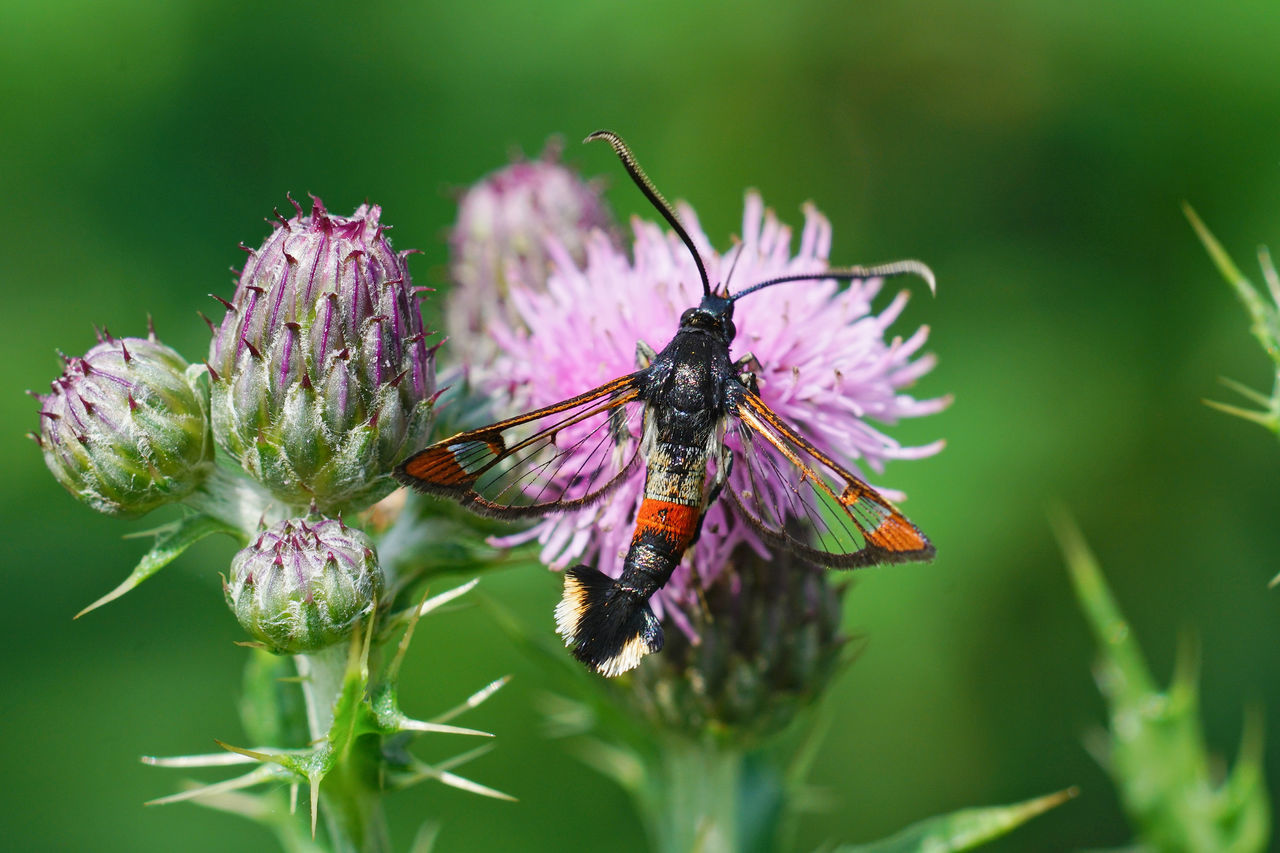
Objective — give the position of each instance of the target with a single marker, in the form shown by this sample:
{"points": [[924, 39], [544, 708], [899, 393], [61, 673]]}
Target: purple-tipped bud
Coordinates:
{"points": [[504, 223], [304, 584], [323, 377], [124, 430]]}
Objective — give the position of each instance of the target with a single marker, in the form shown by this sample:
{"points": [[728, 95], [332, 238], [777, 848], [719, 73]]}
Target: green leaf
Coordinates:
{"points": [[1155, 751], [962, 830], [171, 541], [271, 705]]}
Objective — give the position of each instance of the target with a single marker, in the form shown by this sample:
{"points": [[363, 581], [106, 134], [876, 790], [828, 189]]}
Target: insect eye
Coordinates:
{"points": [[730, 330], [687, 317]]}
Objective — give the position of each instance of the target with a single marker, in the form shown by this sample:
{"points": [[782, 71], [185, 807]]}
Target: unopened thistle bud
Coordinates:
{"points": [[123, 429], [770, 648], [322, 378], [304, 584], [504, 223]]}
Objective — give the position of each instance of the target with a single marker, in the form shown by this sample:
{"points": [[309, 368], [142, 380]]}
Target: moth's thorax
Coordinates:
{"points": [[687, 378]]}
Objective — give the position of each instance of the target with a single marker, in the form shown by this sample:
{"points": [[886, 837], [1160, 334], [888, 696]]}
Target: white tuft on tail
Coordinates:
{"points": [[611, 629]]}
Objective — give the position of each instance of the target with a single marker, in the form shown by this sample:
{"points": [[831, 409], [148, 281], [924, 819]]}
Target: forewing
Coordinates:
{"points": [[797, 496], [555, 459]]}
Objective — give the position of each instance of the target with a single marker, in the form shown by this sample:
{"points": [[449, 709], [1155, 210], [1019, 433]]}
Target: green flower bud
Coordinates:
{"points": [[505, 222], [322, 379], [304, 584], [123, 430], [770, 648]]}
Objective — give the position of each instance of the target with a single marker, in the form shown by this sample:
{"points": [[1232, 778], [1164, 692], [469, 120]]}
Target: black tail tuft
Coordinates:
{"points": [[610, 629]]}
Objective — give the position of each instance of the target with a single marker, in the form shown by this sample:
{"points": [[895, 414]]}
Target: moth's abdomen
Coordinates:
{"points": [[672, 524], [609, 622]]}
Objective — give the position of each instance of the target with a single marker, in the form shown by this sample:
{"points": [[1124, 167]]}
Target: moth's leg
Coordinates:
{"points": [[748, 368], [724, 466], [645, 355]]}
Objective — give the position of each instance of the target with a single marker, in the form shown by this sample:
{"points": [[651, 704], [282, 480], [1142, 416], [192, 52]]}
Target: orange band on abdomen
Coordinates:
{"points": [[672, 521]]}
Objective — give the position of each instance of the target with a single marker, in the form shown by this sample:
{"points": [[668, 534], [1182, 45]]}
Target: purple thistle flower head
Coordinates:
{"points": [[322, 378], [304, 583], [504, 222], [827, 367], [123, 429]]}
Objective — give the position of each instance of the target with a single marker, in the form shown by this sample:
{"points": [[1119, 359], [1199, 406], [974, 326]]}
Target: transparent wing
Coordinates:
{"points": [[559, 458], [797, 496]]}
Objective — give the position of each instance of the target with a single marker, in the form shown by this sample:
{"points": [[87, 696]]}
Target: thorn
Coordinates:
{"points": [[1266, 419], [151, 327], [315, 805], [207, 321], [280, 218], [213, 374], [395, 382], [253, 351], [1246, 391], [124, 351], [295, 204], [225, 303]]}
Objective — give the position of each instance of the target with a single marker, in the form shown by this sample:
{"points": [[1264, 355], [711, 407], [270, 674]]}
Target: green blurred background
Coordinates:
{"points": [[1035, 153]]}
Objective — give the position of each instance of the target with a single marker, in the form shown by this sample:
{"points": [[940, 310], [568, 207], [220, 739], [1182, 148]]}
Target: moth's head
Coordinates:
{"points": [[713, 315]]}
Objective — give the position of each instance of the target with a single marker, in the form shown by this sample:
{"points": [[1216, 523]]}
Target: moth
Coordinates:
{"points": [[671, 416]]}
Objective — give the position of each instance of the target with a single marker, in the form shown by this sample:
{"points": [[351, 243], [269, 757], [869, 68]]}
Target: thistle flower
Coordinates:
{"points": [[826, 367], [504, 222], [123, 430], [322, 379], [303, 584]]}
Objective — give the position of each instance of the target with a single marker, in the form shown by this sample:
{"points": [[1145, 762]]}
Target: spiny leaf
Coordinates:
{"points": [[349, 709], [962, 830], [171, 541], [1156, 752]]}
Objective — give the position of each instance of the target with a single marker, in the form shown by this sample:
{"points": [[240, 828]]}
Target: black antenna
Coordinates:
{"points": [[651, 192], [850, 273]]}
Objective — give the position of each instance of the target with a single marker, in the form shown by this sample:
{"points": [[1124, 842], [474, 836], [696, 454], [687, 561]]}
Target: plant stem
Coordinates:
{"points": [[228, 495], [351, 801], [696, 799]]}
